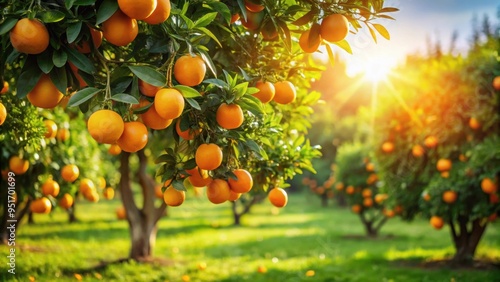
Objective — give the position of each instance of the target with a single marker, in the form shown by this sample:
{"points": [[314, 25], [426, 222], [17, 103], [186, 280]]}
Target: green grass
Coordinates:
{"points": [[304, 236]]}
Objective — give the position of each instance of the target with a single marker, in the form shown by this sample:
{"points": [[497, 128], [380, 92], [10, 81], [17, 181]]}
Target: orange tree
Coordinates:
{"points": [[227, 92], [444, 162], [356, 178]]}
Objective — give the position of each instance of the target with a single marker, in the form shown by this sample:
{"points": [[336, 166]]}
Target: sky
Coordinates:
{"points": [[416, 21]]}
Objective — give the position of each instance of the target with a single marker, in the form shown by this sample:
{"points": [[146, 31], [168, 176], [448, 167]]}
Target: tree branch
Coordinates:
{"points": [[125, 186]]}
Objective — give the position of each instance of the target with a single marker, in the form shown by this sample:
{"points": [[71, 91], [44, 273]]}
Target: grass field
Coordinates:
{"points": [[304, 236]]}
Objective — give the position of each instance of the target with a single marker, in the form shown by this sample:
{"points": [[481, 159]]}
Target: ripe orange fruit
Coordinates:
{"points": [[92, 196], [134, 137], [218, 191], [45, 94], [269, 31], [233, 196], [431, 141], [108, 193], [18, 165], [334, 28], [372, 178], [309, 45], [366, 193], [474, 123], [5, 87], [70, 172], [148, 89], [254, 20], [339, 186], [488, 186], [197, 178], [63, 134], [169, 103], [426, 196], [121, 213], [449, 196], [120, 29], [29, 36], [492, 217], [3, 113], [158, 191], [234, 18], [105, 126], [50, 187], [380, 198], [151, 118], [417, 151], [101, 182], [84, 46], [114, 150], [87, 186], [496, 83], [244, 182], [229, 116], [266, 91], [398, 209], [138, 10], [389, 213], [350, 190], [278, 197], [370, 167], [494, 198], [208, 156], [437, 222], [356, 208], [42, 205], [174, 197], [261, 269], [51, 127], [66, 201], [253, 7], [160, 14], [388, 147], [285, 92], [189, 70], [188, 134], [443, 165], [367, 202]]}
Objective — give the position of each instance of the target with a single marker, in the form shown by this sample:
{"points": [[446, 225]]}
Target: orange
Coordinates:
{"points": [[51, 127], [138, 10], [108, 193], [431, 142], [188, 134], [334, 28], [278, 197], [372, 178], [474, 123], [285, 92], [208, 156], [462, 158], [339, 186], [84, 46], [367, 202], [233, 196], [356, 208], [350, 190], [101, 182], [121, 213], [218, 191], [266, 91], [148, 89], [254, 20], [92, 196], [161, 12], [189, 70], [437, 222], [488, 186], [261, 269], [134, 137], [66, 201], [229, 116], [426, 196], [50, 187], [309, 45], [243, 183], [389, 213], [234, 18], [114, 150], [445, 174], [119, 29], [63, 134], [380, 198], [449, 196], [18, 165], [158, 191], [252, 6], [496, 83], [417, 151], [151, 118], [443, 165], [366, 193], [370, 167], [198, 178], [45, 94], [269, 31], [105, 126], [398, 209], [492, 217], [81, 82], [494, 199], [70, 172], [174, 197], [3, 113], [42, 205], [388, 147], [5, 88], [29, 36], [169, 103], [86, 187]]}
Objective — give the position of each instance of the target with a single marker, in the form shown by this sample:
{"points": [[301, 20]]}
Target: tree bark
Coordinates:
{"points": [[324, 200], [368, 224], [246, 209], [467, 240]]}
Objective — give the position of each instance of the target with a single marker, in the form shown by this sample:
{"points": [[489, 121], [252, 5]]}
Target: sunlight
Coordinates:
{"points": [[374, 69]]}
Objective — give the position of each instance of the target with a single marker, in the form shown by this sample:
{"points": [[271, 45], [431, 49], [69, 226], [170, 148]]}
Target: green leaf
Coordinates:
{"points": [[142, 110], [44, 61], [59, 58], [217, 82], [124, 98], [83, 96], [69, 3], [51, 16], [73, 31], [27, 81], [344, 45], [85, 2], [193, 103], [382, 30], [388, 10], [331, 56], [305, 19], [209, 34], [209, 62], [165, 158], [106, 10], [187, 91], [59, 78], [222, 9], [188, 21], [372, 32], [179, 185], [7, 25], [80, 61], [205, 20], [149, 75]]}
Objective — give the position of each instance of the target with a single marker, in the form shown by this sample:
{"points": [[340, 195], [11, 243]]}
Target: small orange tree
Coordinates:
{"points": [[188, 69], [445, 160]]}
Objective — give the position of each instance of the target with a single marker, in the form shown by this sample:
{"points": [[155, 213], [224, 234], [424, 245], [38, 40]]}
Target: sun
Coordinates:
{"points": [[375, 69]]}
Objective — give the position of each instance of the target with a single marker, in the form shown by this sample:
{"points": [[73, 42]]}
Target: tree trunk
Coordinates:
{"points": [[246, 208], [31, 220], [324, 200], [467, 240], [142, 222], [371, 231]]}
